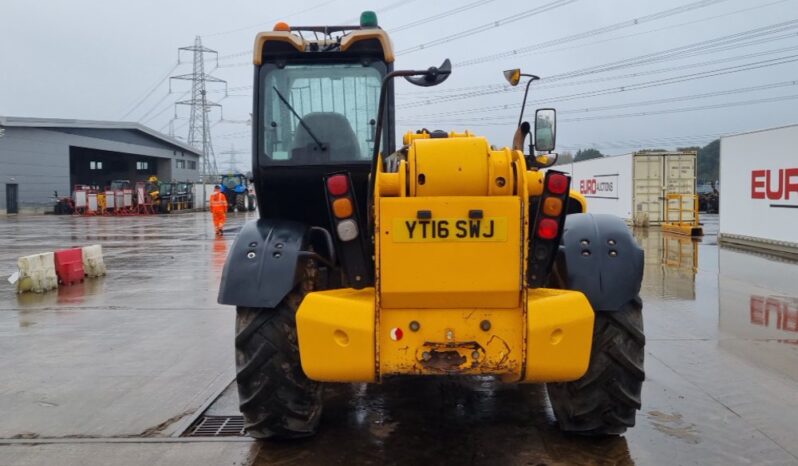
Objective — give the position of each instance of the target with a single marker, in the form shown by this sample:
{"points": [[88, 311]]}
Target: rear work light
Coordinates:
{"points": [[557, 183], [347, 230], [338, 185]]}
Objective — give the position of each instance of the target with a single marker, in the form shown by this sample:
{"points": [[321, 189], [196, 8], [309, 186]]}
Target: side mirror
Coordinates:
{"points": [[545, 129], [433, 76], [513, 76]]}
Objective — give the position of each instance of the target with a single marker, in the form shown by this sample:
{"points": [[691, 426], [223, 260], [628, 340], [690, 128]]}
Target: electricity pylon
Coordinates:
{"points": [[199, 131]]}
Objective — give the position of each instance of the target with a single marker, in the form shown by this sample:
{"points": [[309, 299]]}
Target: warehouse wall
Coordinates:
{"points": [[37, 159], [181, 171]]}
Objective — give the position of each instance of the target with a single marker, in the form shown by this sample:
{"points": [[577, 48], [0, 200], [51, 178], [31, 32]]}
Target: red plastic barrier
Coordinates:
{"points": [[69, 266]]}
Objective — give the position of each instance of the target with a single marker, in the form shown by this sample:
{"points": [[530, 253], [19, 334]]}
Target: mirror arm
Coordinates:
{"points": [[444, 69], [378, 130], [375, 156], [532, 78]]}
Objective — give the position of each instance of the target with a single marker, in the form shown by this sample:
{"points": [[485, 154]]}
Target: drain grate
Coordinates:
{"points": [[217, 426]]}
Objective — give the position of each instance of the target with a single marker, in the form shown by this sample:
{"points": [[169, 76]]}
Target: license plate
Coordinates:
{"points": [[411, 230]]}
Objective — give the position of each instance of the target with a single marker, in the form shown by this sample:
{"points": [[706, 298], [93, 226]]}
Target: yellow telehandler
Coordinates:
{"points": [[443, 256]]}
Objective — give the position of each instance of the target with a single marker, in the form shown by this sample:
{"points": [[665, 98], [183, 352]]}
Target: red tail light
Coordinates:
{"points": [[338, 185], [557, 183], [548, 228]]}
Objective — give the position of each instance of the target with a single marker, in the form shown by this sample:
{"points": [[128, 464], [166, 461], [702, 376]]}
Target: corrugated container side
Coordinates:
{"points": [[659, 174]]}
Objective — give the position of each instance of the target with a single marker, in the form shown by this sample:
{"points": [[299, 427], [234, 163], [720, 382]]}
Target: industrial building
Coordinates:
{"points": [[42, 156]]}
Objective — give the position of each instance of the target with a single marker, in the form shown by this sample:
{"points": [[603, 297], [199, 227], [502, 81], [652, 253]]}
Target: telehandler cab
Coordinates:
{"points": [[442, 257]]}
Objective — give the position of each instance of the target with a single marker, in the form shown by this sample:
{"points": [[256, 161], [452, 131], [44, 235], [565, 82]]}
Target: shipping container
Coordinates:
{"points": [[759, 190], [634, 186]]}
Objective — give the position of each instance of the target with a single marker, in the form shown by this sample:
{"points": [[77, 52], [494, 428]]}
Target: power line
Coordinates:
{"points": [[271, 22], [144, 118], [151, 91], [684, 109], [510, 118], [657, 112], [676, 141], [232, 162], [593, 32], [697, 48], [444, 14], [658, 71], [493, 24], [442, 40], [594, 42]]}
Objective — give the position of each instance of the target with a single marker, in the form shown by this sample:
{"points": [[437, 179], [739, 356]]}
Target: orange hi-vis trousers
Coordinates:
{"points": [[218, 210]]}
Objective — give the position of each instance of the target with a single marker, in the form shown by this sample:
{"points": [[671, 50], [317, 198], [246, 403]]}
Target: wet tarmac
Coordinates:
{"points": [[113, 371]]}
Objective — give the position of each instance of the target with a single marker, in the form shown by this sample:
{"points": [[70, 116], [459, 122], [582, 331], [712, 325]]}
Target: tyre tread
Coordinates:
{"points": [[277, 399], [605, 400]]}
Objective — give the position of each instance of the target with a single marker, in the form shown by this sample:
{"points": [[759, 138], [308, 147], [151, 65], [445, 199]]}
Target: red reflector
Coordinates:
{"points": [[396, 334], [338, 185], [557, 183], [548, 228]]}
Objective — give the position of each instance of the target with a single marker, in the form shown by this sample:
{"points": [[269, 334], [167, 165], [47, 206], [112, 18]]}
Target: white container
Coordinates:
{"points": [[759, 187], [93, 264], [79, 197], [92, 202], [633, 186], [199, 194], [119, 199], [109, 200], [37, 273]]}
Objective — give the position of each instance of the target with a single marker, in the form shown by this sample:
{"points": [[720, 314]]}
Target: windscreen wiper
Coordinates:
{"points": [[301, 121]]}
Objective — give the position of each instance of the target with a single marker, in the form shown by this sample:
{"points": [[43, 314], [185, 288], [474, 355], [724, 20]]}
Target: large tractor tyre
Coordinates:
{"points": [[251, 205], [241, 203], [276, 397], [604, 401]]}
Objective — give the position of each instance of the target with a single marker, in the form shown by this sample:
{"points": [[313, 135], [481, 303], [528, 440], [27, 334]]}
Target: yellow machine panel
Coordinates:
{"points": [[335, 330], [559, 335], [341, 338], [451, 259], [456, 166], [452, 341]]}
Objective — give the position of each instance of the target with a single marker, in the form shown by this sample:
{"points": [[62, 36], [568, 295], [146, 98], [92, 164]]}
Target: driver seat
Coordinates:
{"points": [[334, 131]]}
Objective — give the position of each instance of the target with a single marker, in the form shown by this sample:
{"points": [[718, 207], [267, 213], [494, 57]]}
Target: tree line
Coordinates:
{"points": [[707, 163]]}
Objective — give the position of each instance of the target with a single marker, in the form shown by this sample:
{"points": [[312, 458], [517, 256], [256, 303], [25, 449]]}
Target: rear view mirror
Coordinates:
{"points": [[545, 129], [513, 76], [433, 76]]}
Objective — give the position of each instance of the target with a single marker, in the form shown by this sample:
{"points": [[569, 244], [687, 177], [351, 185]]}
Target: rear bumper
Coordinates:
{"points": [[343, 339]]}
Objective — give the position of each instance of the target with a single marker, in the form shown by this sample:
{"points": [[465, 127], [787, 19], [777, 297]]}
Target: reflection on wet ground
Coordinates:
{"points": [[441, 421]]}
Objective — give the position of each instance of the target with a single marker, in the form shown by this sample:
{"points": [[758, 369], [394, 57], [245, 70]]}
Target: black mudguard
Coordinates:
{"points": [[261, 268], [599, 257]]}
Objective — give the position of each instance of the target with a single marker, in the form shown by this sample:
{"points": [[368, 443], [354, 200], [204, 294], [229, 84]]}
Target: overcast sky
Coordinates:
{"points": [[92, 59]]}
